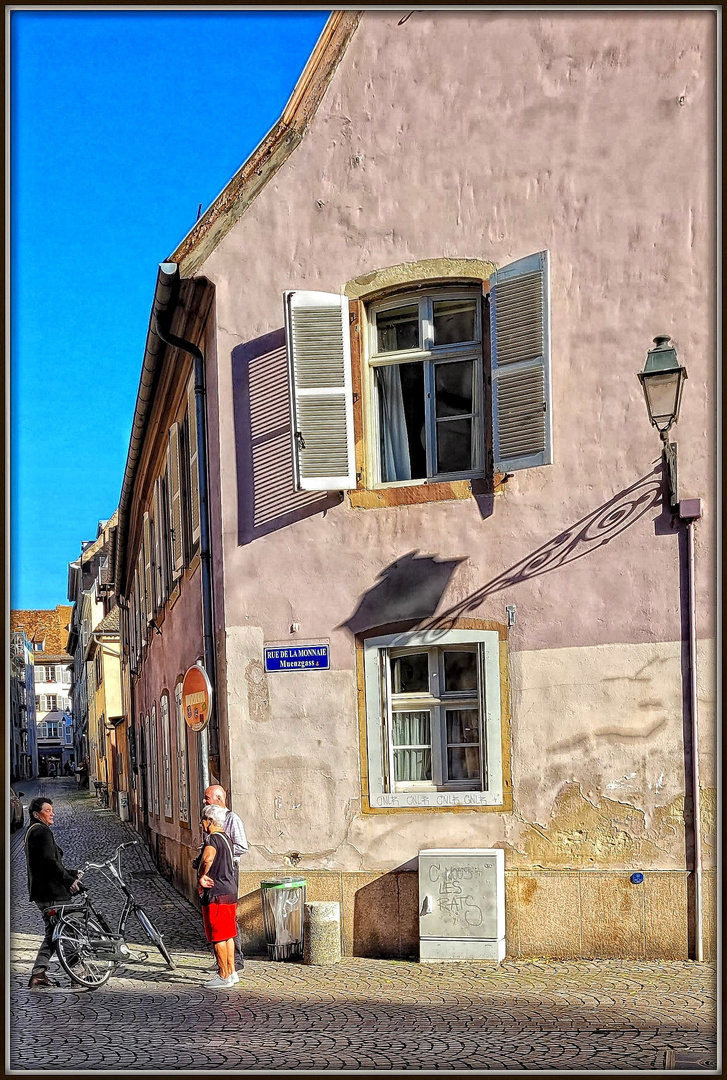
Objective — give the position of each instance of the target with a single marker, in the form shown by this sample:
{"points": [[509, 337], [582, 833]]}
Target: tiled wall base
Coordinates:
{"points": [[559, 914]]}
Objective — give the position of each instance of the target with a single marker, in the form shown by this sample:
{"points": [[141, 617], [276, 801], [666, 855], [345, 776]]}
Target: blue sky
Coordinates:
{"points": [[122, 123]]}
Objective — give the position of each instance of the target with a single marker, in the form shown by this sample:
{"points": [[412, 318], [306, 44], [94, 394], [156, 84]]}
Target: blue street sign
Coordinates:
{"points": [[297, 657]]}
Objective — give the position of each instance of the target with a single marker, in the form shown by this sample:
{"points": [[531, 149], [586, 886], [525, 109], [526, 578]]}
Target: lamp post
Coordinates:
{"points": [[662, 381]]}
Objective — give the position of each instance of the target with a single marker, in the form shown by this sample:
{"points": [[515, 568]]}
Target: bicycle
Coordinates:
{"points": [[88, 949]]}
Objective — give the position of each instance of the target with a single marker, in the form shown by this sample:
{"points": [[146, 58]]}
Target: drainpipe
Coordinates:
{"points": [[170, 271], [690, 510]]}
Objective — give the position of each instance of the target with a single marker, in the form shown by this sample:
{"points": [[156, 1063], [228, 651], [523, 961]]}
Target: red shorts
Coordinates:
{"points": [[220, 923]]}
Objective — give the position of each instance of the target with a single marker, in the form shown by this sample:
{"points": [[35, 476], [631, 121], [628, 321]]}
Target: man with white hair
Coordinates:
{"points": [[215, 795]]}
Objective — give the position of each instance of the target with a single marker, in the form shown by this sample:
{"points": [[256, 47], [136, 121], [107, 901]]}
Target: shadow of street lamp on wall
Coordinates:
{"points": [[662, 381]]}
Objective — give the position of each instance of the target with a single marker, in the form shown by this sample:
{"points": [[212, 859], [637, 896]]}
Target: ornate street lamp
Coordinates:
{"points": [[663, 381]]}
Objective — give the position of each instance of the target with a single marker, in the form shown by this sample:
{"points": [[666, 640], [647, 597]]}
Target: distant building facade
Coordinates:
{"points": [[99, 733], [47, 634], [23, 741]]}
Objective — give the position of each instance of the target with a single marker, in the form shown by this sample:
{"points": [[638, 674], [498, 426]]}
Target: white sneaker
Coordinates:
{"points": [[218, 983], [235, 977]]}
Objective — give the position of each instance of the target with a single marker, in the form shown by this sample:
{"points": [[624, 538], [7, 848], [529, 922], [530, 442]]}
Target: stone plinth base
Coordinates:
{"points": [[321, 932]]}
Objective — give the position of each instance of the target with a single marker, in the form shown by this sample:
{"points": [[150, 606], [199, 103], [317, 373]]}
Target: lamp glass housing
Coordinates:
{"points": [[663, 397], [663, 380]]}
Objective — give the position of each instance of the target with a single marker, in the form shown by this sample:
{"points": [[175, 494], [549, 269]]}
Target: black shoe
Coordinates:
{"points": [[40, 979]]}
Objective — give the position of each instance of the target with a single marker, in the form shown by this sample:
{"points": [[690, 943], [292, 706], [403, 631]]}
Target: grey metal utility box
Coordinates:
{"points": [[461, 904]]}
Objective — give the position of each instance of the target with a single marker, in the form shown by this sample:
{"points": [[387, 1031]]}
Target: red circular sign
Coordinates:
{"points": [[196, 697]]}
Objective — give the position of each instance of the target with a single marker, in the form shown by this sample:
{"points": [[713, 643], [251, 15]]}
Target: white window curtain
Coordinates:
{"points": [[411, 736], [395, 457], [149, 762], [154, 762], [166, 755], [182, 762]]}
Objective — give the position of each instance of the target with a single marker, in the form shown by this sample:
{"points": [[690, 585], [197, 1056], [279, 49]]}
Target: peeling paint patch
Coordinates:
{"points": [[258, 696], [623, 782], [606, 834]]}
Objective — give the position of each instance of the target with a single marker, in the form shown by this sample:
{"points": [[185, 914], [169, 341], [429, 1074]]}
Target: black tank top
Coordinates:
{"points": [[224, 890]]}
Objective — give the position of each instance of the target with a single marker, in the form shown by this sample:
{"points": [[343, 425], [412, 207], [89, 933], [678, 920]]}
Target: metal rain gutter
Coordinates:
{"points": [[163, 320], [164, 295]]}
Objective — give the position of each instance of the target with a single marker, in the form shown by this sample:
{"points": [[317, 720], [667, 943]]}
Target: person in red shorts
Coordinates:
{"points": [[217, 885]]}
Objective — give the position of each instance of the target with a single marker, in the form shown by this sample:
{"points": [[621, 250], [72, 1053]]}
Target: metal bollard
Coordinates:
{"points": [[321, 932]]}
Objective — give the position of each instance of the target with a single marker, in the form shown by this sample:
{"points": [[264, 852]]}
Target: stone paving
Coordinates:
{"points": [[388, 1015]]}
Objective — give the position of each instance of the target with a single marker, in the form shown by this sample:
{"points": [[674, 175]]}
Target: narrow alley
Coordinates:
{"points": [[359, 1014]]}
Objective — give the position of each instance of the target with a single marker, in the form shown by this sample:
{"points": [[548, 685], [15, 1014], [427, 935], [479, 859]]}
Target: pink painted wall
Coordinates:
{"points": [[494, 135], [483, 135], [167, 657]]}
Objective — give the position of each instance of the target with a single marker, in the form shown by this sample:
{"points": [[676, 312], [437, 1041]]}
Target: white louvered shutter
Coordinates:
{"points": [[193, 463], [160, 538], [142, 597], [521, 394], [137, 636], [131, 628], [319, 354], [148, 570], [175, 502], [137, 618]]}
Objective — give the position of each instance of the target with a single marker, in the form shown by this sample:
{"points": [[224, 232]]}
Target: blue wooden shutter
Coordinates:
{"points": [[319, 356], [521, 392]]}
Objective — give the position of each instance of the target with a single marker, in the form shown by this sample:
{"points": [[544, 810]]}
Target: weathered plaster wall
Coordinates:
{"points": [[488, 135], [609, 720]]}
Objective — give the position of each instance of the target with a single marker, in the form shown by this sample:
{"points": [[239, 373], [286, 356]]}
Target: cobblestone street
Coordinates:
{"points": [[359, 1014]]}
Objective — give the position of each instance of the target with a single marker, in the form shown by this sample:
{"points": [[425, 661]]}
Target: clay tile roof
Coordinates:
{"points": [[48, 626], [109, 624]]}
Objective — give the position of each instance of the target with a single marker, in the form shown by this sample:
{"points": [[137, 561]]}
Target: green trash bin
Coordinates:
{"points": [[282, 901]]}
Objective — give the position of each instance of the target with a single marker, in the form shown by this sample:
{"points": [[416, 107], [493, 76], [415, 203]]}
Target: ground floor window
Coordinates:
{"points": [[433, 718], [166, 754], [154, 759], [182, 758]]}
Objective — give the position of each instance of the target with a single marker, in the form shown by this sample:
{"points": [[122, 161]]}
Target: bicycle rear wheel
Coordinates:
{"points": [[76, 953], [153, 934]]}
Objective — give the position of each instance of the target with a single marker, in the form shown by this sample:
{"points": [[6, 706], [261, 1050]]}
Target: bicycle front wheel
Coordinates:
{"points": [[153, 934], [76, 953]]}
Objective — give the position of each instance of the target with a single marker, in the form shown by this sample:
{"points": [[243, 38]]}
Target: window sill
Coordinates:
{"points": [[189, 570], [411, 494], [444, 802]]}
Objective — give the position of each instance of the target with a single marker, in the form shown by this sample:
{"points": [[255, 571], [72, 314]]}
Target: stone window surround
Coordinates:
{"points": [[378, 285], [505, 806]]}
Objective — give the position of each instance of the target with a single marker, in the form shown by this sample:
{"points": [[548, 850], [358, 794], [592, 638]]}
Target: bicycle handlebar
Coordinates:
{"points": [[99, 866]]}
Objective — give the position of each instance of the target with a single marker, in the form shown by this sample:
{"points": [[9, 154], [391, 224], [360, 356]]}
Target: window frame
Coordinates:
{"points": [[183, 797], [164, 705], [430, 355], [154, 758], [376, 651], [437, 703]]}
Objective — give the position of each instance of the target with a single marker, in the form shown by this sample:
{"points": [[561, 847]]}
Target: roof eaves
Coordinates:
{"points": [[275, 148]]}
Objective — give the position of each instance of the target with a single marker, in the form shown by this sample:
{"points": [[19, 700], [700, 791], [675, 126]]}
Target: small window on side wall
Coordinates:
{"points": [[433, 719]]}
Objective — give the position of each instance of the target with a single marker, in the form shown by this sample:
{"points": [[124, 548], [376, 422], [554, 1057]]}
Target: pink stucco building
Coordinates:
{"points": [[446, 601]]}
